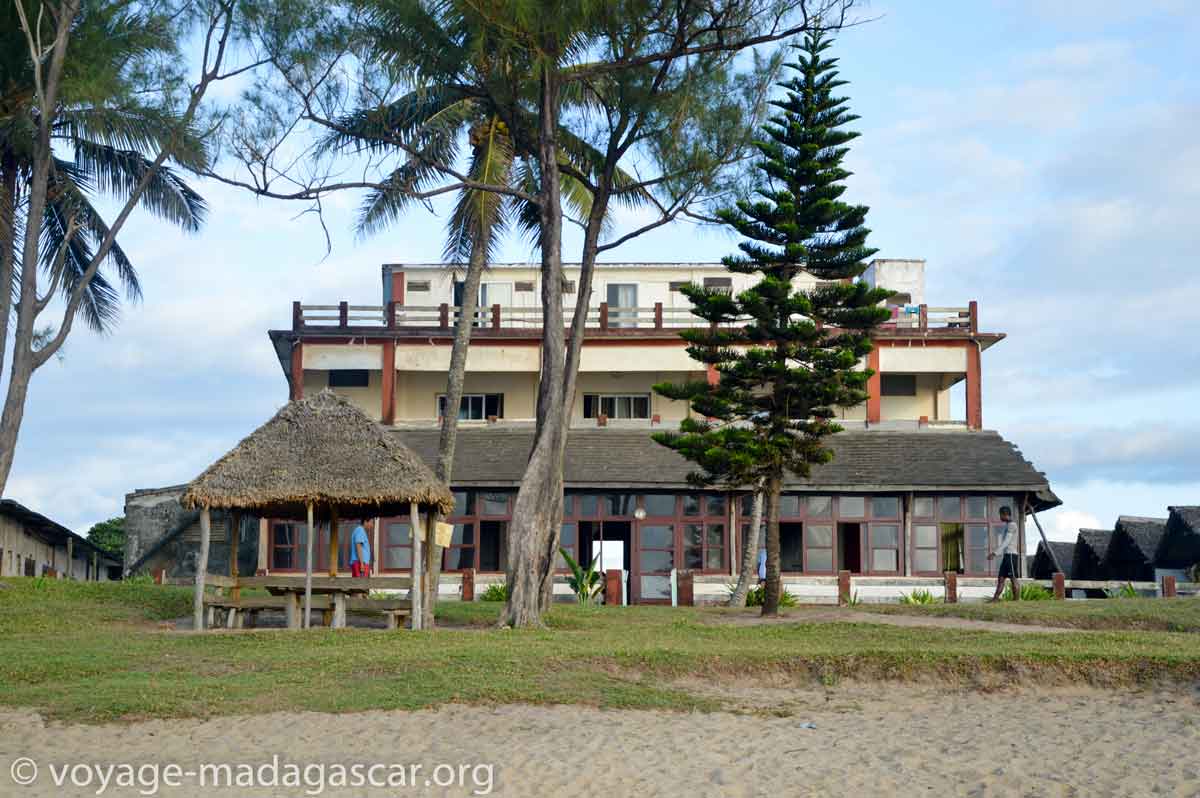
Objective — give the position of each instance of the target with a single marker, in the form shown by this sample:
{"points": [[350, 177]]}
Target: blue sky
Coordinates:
{"points": [[1042, 157]]}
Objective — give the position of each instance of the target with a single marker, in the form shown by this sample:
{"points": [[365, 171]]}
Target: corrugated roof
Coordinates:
{"points": [[867, 461], [48, 527]]}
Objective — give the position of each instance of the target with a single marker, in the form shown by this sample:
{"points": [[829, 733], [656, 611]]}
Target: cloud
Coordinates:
{"points": [[1155, 453]]}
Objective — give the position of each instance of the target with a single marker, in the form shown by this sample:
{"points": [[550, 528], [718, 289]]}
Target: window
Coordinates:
{"points": [[524, 285], [568, 286], [418, 286], [475, 406], [569, 541], [622, 304], [460, 553], [349, 378], [616, 405], [659, 504], [677, 285], [791, 548], [288, 546], [818, 539], [885, 507], [898, 384], [852, 507], [925, 548], [397, 546], [885, 547], [723, 284], [703, 547]]}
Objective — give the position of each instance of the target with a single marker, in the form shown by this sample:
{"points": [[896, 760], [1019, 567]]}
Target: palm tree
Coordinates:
{"points": [[103, 127]]}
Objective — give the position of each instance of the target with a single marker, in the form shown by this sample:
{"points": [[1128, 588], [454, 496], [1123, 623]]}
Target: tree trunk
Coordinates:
{"points": [[749, 569], [454, 391], [416, 591], [8, 247], [774, 581], [534, 531], [201, 570]]}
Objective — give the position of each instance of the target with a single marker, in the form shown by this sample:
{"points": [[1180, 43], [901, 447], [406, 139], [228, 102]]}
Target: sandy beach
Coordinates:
{"points": [[860, 740]]}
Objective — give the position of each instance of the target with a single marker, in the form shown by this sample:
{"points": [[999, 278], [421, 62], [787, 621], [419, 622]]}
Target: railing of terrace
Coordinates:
{"points": [[918, 318]]}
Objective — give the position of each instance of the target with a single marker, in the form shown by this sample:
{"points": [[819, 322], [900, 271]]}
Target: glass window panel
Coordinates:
{"points": [[949, 507], [656, 587], [715, 535], [624, 407], [791, 549], [926, 536], [398, 558], [884, 560], [399, 535], [608, 406], [657, 560], [820, 559], [820, 506], [567, 536], [691, 504], [977, 507], [494, 404], [283, 535], [885, 535], [977, 536], [659, 504], [885, 507], [715, 504], [820, 536], [923, 507], [589, 405], [789, 507], [621, 503], [463, 534], [459, 557], [693, 535], [641, 407], [852, 506], [747, 504], [693, 558], [282, 558], [926, 560], [714, 559], [658, 536], [494, 504], [1003, 501], [464, 502], [589, 504]]}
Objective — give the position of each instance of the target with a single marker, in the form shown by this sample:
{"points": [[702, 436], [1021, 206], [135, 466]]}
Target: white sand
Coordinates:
{"points": [[869, 740]]}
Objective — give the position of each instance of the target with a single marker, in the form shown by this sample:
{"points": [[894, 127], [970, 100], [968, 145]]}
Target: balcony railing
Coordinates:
{"points": [[915, 318]]}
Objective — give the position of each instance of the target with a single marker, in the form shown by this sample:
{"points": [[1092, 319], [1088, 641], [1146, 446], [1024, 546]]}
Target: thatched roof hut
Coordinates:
{"points": [[324, 451], [1180, 544], [1133, 547], [1091, 547], [1043, 564]]}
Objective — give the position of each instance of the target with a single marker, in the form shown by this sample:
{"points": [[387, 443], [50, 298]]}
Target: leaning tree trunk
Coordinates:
{"points": [[8, 246], [533, 533], [454, 391], [749, 570], [774, 585]]}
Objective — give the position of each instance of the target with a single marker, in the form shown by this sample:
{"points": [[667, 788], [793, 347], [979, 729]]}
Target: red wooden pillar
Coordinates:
{"points": [[603, 315], [398, 287], [468, 585], [495, 317], [687, 589], [612, 587], [874, 392], [297, 371], [1060, 585], [1168, 587], [343, 314], [843, 588], [658, 316], [951, 587], [973, 307], [443, 315], [390, 321], [923, 323], [974, 387], [388, 411]]}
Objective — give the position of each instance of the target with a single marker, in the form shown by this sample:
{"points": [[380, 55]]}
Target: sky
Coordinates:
{"points": [[1041, 157]]}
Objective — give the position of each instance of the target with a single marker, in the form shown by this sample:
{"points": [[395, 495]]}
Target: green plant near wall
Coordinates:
{"points": [[587, 583], [496, 591], [920, 596], [1029, 592], [1128, 591], [755, 596]]}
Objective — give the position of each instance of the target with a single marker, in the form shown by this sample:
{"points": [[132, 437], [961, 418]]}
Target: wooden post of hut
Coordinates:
{"points": [[308, 569], [415, 591], [235, 538], [201, 569], [70, 558], [333, 541]]}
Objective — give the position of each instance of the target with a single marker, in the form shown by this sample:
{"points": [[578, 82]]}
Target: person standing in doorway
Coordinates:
{"points": [[360, 551], [1006, 548]]}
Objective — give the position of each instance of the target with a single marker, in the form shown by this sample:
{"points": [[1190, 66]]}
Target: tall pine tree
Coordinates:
{"points": [[786, 358]]}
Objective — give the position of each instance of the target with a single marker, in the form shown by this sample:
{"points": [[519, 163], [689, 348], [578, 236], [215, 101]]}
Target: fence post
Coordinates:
{"points": [[974, 310], [297, 316], [603, 315], [924, 324], [343, 314], [843, 588], [1168, 587], [443, 315], [951, 587], [468, 585], [658, 316], [391, 316], [1060, 585], [687, 588], [612, 587], [495, 317]]}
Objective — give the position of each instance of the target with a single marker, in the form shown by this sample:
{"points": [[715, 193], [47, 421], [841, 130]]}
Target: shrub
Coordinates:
{"points": [[920, 596], [496, 591], [756, 594], [1128, 591], [1029, 592], [588, 583]]}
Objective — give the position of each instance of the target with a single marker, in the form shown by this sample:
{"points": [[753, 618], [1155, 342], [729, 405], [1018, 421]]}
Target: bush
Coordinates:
{"points": [[1029, 592], [1128, 591], [756, 595], [921, 596], [496, 591]]}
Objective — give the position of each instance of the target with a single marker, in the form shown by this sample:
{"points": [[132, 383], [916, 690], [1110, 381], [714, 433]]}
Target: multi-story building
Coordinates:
{"points": [[914, 489]]}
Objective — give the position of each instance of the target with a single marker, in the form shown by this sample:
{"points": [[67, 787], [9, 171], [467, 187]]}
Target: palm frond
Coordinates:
{"points": [[118, 172], [478, 218], [415, 116], [138, 128]]}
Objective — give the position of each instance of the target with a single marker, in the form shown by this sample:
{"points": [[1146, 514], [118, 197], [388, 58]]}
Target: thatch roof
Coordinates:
{"points": [[1133, 546], [1090, 549], [1180, 545], [322, 450], [1043, 564]]}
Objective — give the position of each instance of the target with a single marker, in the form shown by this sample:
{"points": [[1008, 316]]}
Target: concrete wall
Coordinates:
{"points": [[634, 383], [902, 275], [417, 392], [369, 399]]}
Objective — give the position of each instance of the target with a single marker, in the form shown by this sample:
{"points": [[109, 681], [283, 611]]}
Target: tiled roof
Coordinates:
{"points": [[869, 461]]}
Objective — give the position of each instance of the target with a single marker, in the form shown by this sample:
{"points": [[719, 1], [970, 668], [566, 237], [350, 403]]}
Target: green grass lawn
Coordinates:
{"points": [[94, 652], [1144, 614]]}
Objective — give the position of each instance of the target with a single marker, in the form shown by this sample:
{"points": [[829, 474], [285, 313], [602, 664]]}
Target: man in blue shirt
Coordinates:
{"points": [[360, 551]]}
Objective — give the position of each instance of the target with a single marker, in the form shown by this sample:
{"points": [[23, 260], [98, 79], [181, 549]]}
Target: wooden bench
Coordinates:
{"points": [[239, 611]]}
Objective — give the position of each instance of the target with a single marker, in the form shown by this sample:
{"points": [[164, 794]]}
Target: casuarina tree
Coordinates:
{"points": [[789, 351]]}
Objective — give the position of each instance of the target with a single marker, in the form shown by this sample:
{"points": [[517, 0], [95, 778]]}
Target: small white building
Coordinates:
{"points": [[33, 545]]}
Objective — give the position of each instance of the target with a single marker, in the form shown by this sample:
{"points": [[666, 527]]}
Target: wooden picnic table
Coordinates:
{"points": [[292, 589]]}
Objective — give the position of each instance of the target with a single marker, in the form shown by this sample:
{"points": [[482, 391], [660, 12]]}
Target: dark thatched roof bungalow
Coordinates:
{"points": [[1043, 564], [317, 455], [1091, 548], [1180, 544], [1131, 551]]}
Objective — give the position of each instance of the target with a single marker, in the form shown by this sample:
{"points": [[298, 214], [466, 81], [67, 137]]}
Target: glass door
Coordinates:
{"points": [[655, 559]]}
